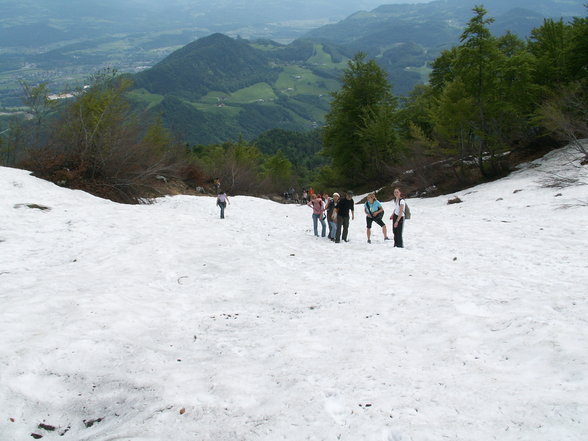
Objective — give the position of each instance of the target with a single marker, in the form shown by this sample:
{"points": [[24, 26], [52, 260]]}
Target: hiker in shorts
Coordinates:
{"points": [[374, 212], [221, 201]]}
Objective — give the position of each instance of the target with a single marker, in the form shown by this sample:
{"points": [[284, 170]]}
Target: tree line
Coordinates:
{"points": [[486, 96]]}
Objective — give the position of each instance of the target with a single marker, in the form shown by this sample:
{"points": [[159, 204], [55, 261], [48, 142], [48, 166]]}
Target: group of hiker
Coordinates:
{"points": [[337, 211]]}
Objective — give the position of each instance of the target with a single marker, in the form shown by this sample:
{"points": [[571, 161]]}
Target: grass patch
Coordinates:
{"points": [[214, 97], [296, 80], [227, 110], [423, 71], [144, 97], [257, 93], [320, 56]]}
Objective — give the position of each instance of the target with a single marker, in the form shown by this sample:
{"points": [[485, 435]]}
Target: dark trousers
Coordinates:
{"points": [[397, 231], [342, 227], [222, 206]]}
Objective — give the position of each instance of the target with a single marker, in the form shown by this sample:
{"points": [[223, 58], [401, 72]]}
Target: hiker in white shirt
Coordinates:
{"points": [[398, 218]]}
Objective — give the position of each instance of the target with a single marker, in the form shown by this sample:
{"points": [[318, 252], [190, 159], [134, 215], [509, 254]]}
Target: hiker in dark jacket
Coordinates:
{"points": [[341, 212]]}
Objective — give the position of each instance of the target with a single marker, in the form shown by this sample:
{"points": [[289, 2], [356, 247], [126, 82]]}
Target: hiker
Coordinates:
{"points": [[221, 201], [304, 196], [328, 212], [398, 218], [332, 219], [341, 212], [318, 210], [374, 213], [217, 185]]}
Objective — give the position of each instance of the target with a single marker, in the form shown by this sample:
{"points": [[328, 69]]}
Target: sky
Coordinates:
{"points": [[164, 322]]}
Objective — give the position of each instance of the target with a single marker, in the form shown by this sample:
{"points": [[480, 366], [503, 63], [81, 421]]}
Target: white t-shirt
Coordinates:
{"points": [[397, 207]]}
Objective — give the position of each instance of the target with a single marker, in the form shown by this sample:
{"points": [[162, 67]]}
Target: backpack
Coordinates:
{"points": [[406, 211], [377, 216]]}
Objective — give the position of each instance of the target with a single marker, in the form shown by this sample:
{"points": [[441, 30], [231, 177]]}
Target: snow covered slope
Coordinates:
{"points": [[163, 322]]}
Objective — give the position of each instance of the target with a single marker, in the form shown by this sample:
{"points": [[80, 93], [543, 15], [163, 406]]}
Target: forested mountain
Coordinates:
{"points": [[240, 106], [218, 88], [62, 42], [406, 38], [216, 62], [410, 22]]}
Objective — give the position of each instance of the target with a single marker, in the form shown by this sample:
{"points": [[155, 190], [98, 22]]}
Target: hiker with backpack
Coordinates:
{"points": [[374, 212], [221, 201], [398, 217]]}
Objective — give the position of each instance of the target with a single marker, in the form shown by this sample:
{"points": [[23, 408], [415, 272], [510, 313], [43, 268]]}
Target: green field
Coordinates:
{"points": [[296, 80], [423, 71], [147, 99], [322, 58], [259, 92]]}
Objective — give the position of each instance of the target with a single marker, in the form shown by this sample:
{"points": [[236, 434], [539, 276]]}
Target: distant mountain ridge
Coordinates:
{"points": [[218, 88], [216, 62], [429, 28], [440, 22]]}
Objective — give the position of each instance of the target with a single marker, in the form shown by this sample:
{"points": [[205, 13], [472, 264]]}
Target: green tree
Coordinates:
{"points": [[379, 140], [565, 113], [515, 70], [12, 142], [4, 151], [415, 112], [99, 146], [578, 52], [157, 137], [277, 172], [551, 46], [236, 164], [98, 124], [477, 65], [357, 131], [301, 148], [443, 69], [452, 119], [483, 90], [36, 98]]}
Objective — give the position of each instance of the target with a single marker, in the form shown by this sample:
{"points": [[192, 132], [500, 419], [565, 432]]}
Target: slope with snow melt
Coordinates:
{"points": [[163, 322]]}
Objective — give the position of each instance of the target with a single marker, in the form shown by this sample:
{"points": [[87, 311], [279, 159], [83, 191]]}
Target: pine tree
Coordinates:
{"points": [[359, 135]]}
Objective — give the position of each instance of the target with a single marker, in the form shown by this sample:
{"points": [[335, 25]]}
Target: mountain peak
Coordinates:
{"points": [[215, 62]]}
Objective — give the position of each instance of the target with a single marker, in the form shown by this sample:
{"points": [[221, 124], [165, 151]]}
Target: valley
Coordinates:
{"points": [[302, 53]]}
